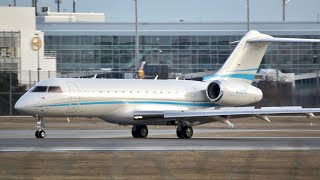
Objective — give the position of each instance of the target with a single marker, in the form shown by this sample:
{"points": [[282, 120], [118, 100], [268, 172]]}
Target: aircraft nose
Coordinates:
{"points": [[20, 105]]}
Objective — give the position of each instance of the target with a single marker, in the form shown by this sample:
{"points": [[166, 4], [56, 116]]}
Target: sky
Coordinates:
{"points": [[189, 10]]}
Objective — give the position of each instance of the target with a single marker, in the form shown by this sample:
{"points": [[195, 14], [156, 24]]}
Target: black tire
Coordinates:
{"points": [[139, 131], [134, 132], [143, 131], [187, 132], [42, 134], [36, 134], [179, 133]]}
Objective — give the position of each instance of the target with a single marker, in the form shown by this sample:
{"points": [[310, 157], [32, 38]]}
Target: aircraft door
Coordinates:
{"points": [[73, 97]]}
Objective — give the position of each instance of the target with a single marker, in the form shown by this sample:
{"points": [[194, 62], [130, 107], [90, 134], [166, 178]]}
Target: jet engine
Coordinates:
{"points": [[233, 93]]}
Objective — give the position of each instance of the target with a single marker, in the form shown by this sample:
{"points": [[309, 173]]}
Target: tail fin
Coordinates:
{"points": [[243, 63]]}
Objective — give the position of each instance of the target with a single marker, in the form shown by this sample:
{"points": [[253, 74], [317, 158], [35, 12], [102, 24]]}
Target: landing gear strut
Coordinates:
{"points": [[184, 131], [40, 133], [139, 131]]}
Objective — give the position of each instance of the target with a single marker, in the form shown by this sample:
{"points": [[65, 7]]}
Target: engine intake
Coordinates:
{"points": [[214, 91], [232, 93]]}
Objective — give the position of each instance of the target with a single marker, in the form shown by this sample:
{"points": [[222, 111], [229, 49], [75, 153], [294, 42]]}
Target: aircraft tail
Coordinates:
{"points": [[243, 63]]}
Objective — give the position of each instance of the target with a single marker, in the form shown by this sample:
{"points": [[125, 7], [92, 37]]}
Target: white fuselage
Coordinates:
{"points": [[114, 100]]}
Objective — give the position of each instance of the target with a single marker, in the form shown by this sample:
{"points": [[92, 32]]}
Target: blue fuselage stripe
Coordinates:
{"points": [[137, 102], [241, 76]]}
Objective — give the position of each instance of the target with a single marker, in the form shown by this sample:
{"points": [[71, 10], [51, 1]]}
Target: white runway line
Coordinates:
{"points": [[127, 133], [202, 148], [257, 137]]}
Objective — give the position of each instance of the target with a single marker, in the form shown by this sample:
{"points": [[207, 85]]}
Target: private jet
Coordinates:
{"points": [[182, 103]]}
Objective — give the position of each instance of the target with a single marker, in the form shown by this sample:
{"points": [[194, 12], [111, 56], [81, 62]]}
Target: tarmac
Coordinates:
{"points": [[287, 148]]}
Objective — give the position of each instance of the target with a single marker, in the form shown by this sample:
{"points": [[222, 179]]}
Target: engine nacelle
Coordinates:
{"points": [[232, 93]]}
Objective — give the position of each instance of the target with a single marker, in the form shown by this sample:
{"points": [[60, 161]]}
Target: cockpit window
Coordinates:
{"points": [[40, 89], [54, 89]]}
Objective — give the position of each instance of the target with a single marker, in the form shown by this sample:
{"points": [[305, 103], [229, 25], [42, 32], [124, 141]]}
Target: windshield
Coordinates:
{"points": [[40, 89], [55, 89]]}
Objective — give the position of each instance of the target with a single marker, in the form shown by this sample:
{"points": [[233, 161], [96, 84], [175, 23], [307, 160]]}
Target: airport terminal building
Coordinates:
{"points": [[186, 47], [88, 42]]}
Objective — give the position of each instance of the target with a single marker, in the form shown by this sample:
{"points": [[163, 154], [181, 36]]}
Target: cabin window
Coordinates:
{"points": [[55, 89], [40, 89]]}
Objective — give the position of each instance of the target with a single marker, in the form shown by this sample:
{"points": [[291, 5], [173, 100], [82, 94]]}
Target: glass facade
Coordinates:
{"points": [[183, 54], [9, 50]]}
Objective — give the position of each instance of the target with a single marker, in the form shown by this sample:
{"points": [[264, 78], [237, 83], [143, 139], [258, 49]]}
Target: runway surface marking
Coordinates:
{"points": [[127, 133], [160, 144]]}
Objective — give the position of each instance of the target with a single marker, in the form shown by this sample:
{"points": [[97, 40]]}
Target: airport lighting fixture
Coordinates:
{"points": [[248, 15], [74, 6], [58, 2], [136, 36], [36, 45], [284, 3]]}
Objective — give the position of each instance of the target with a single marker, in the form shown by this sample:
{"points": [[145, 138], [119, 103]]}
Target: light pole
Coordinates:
{"points": [[58, 2], [36, 45], [248, 15], [136, 36], [74, 6], [284, 3]]}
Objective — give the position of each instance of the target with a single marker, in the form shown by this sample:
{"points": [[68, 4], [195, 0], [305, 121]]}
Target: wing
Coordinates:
{"points": [[223, 112]]}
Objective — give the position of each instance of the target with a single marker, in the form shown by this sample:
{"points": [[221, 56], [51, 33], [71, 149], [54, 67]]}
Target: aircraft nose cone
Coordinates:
{"points": [[20, 106]]}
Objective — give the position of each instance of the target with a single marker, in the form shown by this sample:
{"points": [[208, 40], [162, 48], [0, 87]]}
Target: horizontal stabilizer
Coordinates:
{"points": [[282, 40]]}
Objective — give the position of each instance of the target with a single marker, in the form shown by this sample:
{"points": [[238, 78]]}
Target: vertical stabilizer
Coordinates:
{"points": [[243, 63]]}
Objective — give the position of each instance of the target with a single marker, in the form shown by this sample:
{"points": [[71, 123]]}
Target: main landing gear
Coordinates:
{"points": [[184, 131], [139, 131], [40, 133]]}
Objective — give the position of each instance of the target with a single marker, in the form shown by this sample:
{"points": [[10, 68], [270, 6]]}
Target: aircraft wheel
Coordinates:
{"points": [[143, 131], [36, 134], [134, 132], [179, 133], [42, 134], [139, 131], [187, 132]]}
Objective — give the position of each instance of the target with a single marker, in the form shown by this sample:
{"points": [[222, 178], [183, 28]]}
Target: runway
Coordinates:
{"points": [[121, 140], [87, 149]]}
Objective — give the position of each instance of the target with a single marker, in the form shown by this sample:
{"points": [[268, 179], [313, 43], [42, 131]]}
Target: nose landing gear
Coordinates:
{"points": [[40, 133]]}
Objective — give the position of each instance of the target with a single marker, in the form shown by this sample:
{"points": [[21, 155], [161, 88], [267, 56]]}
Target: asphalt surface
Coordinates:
{"points": [[287, 148], [121, 140]]}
